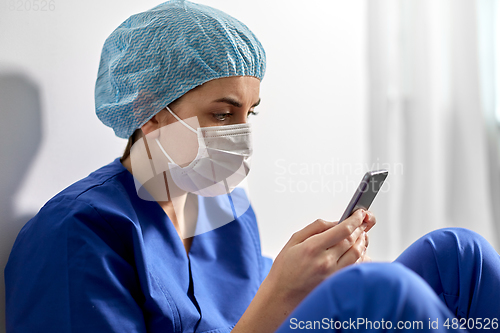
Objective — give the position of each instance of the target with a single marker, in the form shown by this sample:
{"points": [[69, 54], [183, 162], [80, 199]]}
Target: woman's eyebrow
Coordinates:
{"points": [[233, 102]]}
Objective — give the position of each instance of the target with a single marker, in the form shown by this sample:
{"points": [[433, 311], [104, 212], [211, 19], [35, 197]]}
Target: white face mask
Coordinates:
{"points": [[222, 161]]}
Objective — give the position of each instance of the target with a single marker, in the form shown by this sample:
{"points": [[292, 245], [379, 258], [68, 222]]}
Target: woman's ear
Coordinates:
{"points": [[151, 127]]}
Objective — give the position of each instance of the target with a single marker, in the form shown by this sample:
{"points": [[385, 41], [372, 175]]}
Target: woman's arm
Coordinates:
{"points": [[67, 273], [310, 256]]}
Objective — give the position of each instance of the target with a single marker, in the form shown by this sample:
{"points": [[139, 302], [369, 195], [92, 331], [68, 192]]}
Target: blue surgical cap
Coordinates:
{"points": [[157, 56]]}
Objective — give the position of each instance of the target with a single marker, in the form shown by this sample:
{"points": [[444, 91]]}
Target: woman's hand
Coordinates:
{"points": [[310, 256], [315, 252]]}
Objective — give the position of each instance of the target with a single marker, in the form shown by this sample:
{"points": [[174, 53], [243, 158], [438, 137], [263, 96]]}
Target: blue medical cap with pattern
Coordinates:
{"points": [[157, 56]]}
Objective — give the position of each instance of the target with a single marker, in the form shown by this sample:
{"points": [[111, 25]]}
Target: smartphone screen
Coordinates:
{"points": [[366, 192]]}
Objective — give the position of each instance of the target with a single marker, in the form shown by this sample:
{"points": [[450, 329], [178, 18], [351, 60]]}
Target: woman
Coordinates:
{"points": [[161, 240]]}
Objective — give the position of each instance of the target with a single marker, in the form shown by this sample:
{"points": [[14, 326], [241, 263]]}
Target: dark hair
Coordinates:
{"points": [[131, 140]]}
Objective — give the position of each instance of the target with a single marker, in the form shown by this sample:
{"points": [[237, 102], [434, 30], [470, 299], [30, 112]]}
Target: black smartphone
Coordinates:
{"points": [[366, 192]]}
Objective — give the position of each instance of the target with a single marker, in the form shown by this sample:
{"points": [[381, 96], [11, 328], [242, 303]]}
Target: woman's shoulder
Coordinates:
{"points": [[103, 192], [94, 211], [113, 177]]}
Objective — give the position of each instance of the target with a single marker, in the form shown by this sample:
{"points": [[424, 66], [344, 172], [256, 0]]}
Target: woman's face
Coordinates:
{"points": [[224, 101]]}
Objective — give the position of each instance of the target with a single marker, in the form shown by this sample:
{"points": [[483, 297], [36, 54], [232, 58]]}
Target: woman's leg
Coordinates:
{"points": [[376, 297], [462, 268]]}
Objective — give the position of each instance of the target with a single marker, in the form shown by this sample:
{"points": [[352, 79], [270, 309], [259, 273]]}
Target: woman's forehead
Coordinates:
{"points": [[240, 89]]}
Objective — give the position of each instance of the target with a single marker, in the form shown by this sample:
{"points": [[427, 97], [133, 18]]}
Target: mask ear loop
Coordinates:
{"points": [[164, 152], [182, 121]]}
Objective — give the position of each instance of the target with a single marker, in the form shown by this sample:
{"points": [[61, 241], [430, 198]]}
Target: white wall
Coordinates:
{"points": [[312, 114]]}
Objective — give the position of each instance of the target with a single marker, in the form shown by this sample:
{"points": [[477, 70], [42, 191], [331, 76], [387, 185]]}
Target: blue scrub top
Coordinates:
{"points": [[97, 258]]}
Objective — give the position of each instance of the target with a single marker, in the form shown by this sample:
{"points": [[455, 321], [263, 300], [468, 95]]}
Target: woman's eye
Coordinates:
{"points": [[221, 116], [225, 116], [252, 113]]}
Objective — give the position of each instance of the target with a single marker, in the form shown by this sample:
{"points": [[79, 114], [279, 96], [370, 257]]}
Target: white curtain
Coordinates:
{"points": [[428, 112]]}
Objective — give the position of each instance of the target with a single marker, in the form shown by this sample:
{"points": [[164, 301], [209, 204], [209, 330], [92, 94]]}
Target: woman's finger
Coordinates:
{"points": [[336, 234], [344, 245], [352, 254], [370, 220], [314, 228]]}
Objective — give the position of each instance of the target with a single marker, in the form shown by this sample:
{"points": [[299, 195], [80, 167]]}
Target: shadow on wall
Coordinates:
{"points": [[20, 136]]}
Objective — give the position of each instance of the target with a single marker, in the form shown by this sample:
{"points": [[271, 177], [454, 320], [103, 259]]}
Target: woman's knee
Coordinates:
{"points": [[384, 289], [384, 276], [455, 235], [456, 241], [373, 281]]}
